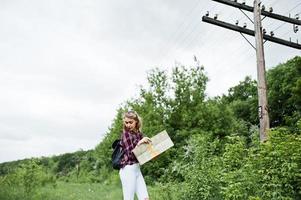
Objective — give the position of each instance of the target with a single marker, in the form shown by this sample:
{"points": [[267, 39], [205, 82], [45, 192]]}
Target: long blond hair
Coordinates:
{"points": [[133, 115]]}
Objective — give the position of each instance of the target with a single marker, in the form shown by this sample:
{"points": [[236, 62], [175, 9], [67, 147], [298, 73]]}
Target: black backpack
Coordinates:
{"points": [[117, 154]]}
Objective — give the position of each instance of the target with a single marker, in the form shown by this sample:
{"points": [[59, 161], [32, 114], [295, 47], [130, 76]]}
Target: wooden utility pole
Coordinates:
{"points": [[260, 34], [263, 111]]}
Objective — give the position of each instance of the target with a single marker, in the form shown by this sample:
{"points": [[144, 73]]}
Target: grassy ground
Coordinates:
{"points": [[65, 191], [95, 191], [82, 191]]}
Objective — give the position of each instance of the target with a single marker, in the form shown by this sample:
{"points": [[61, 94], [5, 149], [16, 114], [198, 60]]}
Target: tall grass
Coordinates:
{"points": [[65, 191], [80, 191]]}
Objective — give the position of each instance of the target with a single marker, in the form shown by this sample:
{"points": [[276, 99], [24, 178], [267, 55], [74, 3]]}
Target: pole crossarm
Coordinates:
{"points": [[263, 12], [249, 32]]}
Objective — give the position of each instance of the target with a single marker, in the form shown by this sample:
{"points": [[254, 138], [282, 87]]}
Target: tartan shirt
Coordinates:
{"points": [[128, 142]]}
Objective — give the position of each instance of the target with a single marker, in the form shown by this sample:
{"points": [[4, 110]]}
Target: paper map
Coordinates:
{"points": [[160, 143]]}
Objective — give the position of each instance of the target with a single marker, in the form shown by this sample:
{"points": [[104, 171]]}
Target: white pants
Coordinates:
{"points": [[132, 182]]}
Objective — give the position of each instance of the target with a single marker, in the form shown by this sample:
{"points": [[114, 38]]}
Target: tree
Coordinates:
{"points": [[243, 99], [284, 86]]}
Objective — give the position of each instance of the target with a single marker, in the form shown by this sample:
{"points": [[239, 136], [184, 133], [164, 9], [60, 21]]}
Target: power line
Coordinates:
{"points": [[239, 51], [187, 35], [175, 34], [197, 35], [259, 35], [287, 13], [242, 17], [234, 52], [179, 42]]}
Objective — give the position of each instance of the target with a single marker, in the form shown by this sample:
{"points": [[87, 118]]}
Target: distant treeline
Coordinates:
{"points": [[217, 153]]}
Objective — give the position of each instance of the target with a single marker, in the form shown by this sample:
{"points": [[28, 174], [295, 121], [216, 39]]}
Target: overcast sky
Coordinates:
{"points": [[66, 66]]}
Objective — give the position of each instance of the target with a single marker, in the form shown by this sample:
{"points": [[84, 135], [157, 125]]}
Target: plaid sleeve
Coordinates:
{"points": [[129, 145], [126, 146]]}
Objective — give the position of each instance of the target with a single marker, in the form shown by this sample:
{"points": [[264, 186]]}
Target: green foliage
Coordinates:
{"points": [[284, 96], [189, 94], [270, 170], [166, 191], [202, 171], [243, 100], [237, 177], [66, 163], [24, 182], [284, 82], [280, 166]]}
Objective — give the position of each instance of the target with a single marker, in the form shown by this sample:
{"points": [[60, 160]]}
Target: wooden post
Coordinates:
{"points": [[261, 78]]}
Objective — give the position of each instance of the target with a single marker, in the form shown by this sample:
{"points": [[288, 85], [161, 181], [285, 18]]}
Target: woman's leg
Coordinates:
{"points": [[128, 181], [141, 189]]}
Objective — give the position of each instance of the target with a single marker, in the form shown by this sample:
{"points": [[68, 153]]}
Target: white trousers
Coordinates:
{"points": [[133, 182]]}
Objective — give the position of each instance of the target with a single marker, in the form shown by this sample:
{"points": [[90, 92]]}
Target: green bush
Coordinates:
{"points": [[202, 174], [270, 170], [25, 181]]}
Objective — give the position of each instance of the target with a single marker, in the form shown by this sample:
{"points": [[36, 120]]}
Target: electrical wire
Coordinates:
{"points": [[183, 41], [285, 14], [178, 34], [198, 35], [248, 52]]}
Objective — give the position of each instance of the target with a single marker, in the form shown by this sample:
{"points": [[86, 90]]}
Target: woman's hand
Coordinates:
{"points": [[144, 140]]}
